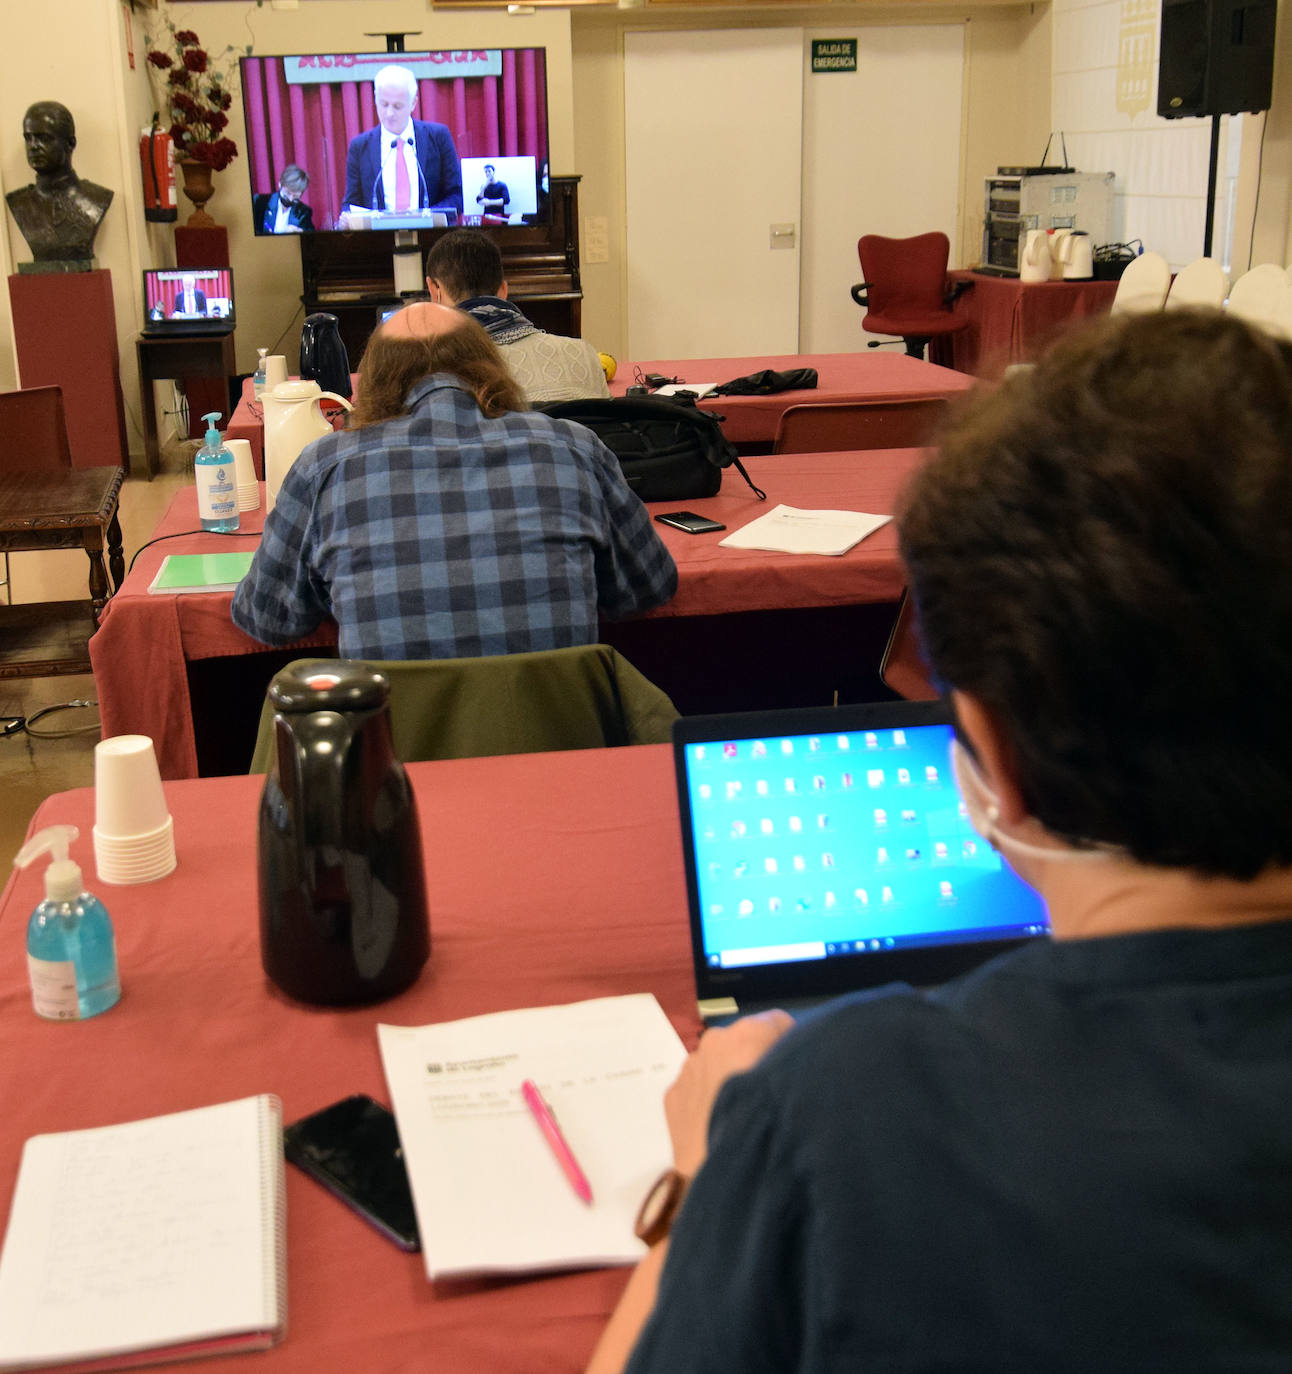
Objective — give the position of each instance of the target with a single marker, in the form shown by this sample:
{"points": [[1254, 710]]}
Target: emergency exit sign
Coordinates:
{"points": [[834, 54]]}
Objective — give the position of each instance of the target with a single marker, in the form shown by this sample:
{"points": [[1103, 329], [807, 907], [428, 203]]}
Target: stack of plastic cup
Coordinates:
{"points": [[245, 473], [134, 835]]}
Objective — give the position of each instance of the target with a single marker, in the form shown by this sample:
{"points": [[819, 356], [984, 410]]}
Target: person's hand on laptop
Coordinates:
{"points": [[723, 1051]]}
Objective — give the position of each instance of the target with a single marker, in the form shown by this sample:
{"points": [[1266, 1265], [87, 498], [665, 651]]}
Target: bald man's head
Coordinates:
{"points": [[424, 340], [423, 320]]}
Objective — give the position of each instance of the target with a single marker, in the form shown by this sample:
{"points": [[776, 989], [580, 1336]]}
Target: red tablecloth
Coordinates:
{"points": [[588, 901], [867, 376], [144, 641], [1012, 321]]}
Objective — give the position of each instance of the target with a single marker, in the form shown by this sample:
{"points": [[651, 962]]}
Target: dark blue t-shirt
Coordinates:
{"points": [[1077, 1158]]}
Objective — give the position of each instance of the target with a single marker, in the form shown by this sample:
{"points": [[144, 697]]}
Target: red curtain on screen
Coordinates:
{"points": [[488, 116]]}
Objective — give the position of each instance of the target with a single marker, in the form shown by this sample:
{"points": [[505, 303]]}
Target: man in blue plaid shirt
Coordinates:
{"points": [[447, 521]]}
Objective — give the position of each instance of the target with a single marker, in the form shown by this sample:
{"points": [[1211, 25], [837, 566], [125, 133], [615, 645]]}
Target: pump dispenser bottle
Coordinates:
{"points": [[258, 378], [71, 952], [217, 482]]}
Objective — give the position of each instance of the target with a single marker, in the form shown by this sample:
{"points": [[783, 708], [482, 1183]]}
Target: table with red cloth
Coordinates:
{"points": [[876, 375], [146, 642], [590, 901], [1011, 321]]}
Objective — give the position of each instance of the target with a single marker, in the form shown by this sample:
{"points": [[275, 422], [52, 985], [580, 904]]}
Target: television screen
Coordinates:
{"points": [[361, 141]]}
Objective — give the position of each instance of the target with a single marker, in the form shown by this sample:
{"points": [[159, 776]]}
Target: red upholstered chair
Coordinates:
{"points": [[905, 291], [902, 669], [832, 426], [35, 437]]}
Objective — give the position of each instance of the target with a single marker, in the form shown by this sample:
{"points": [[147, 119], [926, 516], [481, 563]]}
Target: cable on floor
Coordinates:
{"points": [[18, 725]]}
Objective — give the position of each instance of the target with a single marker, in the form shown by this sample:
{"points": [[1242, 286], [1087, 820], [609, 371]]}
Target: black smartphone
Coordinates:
{"points": [[352, 1148], [689, 521]]}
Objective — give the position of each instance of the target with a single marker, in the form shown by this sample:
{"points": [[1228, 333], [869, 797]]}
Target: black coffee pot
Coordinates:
{"points": [[342, 889], [323, 356]]}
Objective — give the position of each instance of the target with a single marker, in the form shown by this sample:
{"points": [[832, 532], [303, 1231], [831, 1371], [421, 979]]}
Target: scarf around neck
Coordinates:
{"points": [[501, 320]]}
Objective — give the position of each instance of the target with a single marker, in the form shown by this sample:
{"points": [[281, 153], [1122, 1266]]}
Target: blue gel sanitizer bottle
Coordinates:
{"points": [[217, 482], [71, 951]]}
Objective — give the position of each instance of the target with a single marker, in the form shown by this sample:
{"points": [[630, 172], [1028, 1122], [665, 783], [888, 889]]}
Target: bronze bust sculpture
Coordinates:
{"points": [[59, 214]]}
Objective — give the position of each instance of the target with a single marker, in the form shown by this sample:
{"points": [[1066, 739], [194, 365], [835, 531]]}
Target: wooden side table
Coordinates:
{"points": [[160, 359], [59, 510]]}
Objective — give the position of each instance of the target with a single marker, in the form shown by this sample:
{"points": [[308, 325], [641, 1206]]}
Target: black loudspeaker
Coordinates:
{"points": [[1217, 57]]}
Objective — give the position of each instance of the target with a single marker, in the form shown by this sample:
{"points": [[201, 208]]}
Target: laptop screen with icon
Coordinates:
{"points": [[829, 850]]}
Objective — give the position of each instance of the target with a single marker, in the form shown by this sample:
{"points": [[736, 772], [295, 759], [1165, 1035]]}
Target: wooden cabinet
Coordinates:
{"points": [[352, 275]]}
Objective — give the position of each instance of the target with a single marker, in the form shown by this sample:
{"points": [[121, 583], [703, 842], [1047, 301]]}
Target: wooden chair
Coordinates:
{"points": [[902, 668], [834, 426], [1143, 285], [34, 426], [588, 697]]}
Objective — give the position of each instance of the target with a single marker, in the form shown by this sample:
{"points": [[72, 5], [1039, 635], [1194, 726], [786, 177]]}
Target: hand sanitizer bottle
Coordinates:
{"points": [[71, 953], [217, 482], [258, 380]]}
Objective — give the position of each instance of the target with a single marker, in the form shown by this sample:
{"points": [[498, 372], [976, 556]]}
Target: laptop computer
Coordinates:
{"points": [[180, 302], [827, 850]]}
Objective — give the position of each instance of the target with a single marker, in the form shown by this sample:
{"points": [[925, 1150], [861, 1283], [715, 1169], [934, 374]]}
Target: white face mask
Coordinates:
{"points": [[984, 815]]}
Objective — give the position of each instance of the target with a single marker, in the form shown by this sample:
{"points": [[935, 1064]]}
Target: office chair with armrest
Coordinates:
{"points": [[34, 426], [833, 426], [905, 291], [588, 697]]}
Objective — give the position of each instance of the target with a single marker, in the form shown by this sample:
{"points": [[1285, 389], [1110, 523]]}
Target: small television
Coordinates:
{"points": [[478, 143]]}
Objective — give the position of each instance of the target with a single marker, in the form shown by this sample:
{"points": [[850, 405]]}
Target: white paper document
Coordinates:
{"points": [[786, 529], [490, 1194], [698, 388]]}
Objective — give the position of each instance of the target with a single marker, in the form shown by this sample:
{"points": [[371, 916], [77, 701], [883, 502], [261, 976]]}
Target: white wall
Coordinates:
{"points": [[1105, 101]]}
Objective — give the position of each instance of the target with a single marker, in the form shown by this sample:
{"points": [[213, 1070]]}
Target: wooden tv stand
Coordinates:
{"points": [[351, 275]]}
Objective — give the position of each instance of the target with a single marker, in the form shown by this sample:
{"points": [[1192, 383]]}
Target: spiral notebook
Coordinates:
{"points": [[150, 1241]]}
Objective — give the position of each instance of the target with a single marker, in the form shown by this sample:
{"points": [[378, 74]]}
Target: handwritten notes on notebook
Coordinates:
{"points": [[161, 1238], [489, 1193]]}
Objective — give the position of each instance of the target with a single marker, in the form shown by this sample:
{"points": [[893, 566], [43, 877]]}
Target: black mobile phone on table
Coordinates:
{"points": [[689, 521], [352, 1148]]}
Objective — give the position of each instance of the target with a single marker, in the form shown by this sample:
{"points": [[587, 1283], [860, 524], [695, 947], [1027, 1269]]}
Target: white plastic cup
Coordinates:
{"points": [[128, 799], [275, 371], [244, 468]]}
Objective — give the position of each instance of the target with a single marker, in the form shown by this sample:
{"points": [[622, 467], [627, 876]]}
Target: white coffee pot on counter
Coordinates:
{"points": [[292, 420], [1058, 237], [1078, 256], [1034, 260]]}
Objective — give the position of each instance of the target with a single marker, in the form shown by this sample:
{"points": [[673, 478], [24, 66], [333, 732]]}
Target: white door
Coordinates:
{"points": [[881, 155], [713, 152]]}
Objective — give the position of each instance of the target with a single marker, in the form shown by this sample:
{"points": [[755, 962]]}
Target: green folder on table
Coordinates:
{"points": [[201, 572]]}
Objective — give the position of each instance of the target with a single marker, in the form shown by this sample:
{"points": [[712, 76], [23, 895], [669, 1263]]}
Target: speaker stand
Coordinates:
{"points": [[1212, 167]]}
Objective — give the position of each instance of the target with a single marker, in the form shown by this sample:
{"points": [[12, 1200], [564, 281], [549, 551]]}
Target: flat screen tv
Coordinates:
{"points": [[468, 125]]}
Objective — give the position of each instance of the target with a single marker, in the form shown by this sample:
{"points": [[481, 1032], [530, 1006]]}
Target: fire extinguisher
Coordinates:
{"points": [[160, 204]]}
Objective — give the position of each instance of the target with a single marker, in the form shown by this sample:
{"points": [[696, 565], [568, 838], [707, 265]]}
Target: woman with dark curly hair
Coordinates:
{"points": [[1078, 1158]]}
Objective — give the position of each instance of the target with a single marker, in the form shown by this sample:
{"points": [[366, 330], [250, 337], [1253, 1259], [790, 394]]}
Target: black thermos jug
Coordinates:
{"points": [[342, 890], [323, 356]]}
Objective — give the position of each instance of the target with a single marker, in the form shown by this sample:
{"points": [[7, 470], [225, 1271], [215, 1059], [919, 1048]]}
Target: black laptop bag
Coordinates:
{"points": [[669, 450]]}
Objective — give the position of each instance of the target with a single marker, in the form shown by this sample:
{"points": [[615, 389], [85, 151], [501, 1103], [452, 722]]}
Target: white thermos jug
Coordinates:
{"points": [[292, 420], [1034, 261], [1078, 256]]}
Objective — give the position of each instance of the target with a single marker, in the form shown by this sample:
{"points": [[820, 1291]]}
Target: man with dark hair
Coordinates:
{"points": [[493, 197], [464, 268], [448, 521], [1078, 1157]]}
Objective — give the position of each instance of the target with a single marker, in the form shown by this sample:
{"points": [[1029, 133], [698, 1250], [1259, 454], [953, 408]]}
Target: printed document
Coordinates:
{"points": [[490, 1194], [786, 529]]}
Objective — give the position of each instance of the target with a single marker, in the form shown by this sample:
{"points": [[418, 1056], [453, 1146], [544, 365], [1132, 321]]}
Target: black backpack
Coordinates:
{"points": [[669, 450]]}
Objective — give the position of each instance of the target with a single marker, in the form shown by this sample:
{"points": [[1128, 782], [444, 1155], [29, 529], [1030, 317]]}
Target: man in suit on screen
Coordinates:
{"points": [[405, 163], [284, 211], [191, 301]]}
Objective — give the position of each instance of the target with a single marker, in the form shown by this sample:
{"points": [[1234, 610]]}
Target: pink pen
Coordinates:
{"points": [[542, 1113]]}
